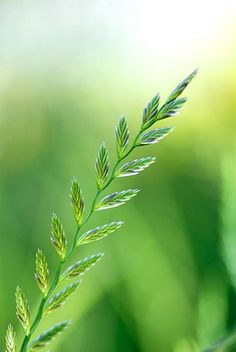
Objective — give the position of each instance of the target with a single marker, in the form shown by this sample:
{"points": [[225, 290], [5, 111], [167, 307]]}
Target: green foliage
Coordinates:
{"points": [[134, 167], [77, 201], [58, 237], [150, 112], [102, 166], [60, 298], [116, 199], [99, 232], [10, 339], [42, 272], [81, 267], [171, 108], [45, 338], [122, 137], [22, 310], [181, 87], [51, 301], [153, 136]]}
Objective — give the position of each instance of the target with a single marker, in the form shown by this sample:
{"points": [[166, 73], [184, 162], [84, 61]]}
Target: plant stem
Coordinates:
{"points": [[56, 279]]}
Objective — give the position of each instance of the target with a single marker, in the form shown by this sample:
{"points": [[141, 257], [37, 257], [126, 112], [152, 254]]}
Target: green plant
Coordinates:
{"points": [[51, 301]]}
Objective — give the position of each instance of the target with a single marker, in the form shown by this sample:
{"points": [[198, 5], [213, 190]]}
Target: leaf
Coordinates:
{"points": [[122, 136], [181, 86], [102, 166], [58, 237], [116, 199], [153, 136], [45, 338], [171, 108], [22, 310], [81, 267], [77, 201], [42, 272], [60, 298], [134, 167], [99, 232], [150, 112], [10, 339]]}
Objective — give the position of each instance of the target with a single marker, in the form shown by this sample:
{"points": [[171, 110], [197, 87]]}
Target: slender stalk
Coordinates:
{"points": [[56, 279], [152, 114]]}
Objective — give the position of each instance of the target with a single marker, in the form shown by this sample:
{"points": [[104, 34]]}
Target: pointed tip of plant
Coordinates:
{"points": [[135, 190], [10, 339], [120, 222], [54, 215], [74, 180], [152, 159], [67, 323], [195, 71], [99, 256]]}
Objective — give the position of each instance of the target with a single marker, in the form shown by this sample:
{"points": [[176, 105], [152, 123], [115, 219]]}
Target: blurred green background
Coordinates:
{"points": [[68, 70]]}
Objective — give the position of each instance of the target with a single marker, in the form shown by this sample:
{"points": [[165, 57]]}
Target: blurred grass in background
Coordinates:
{"points": [[68, 71]]}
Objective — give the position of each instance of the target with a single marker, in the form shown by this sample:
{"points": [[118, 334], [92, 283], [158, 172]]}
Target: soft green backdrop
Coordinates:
{"points": [[68, 70]]}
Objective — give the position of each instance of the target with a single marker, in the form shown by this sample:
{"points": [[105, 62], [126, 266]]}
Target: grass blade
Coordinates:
{"points": [[116, 199], [45, 338], [81, 267], [42, 272], [150, 112], [102, 166], [134, 167], [181, 86], [153, 136], [61, 297], [58, 237], [99, 232], [122, 136], [22, 310], [77, 201], [10, 339], [171, 108]]}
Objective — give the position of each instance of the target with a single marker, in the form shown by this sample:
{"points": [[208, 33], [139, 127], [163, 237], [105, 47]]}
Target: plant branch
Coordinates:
{"points": [[152, 113], [56, 279]]}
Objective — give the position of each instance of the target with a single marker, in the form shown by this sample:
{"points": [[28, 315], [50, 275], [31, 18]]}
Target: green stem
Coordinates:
{"points": [[56, 279]]}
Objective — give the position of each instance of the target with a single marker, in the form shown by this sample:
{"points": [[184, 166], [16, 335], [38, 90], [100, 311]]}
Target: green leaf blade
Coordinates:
{"points": [[134, 167], [58, 237], [181, 86], [99, 232], [42, 272], [10, 339], [46, 337], [81, 267], [102, 166], [77, 201], [153, 136], [116, 199], [60, 298], [171, 108], [22, 310], [150, 112], [122, 136]]}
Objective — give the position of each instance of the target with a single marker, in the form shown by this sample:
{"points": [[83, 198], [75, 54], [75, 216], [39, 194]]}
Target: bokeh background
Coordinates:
{"points": [[68, 70]]}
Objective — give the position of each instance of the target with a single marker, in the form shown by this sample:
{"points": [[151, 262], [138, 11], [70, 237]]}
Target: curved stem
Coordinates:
{"points": [[56, 279]]}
